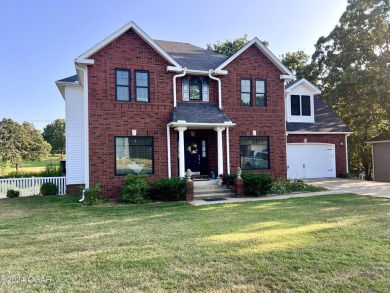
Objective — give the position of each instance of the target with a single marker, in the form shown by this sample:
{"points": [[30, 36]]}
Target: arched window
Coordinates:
{"points": [[195, 88]]}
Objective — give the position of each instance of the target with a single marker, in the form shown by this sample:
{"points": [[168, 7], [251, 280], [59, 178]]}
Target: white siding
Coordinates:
{"points": [[75, 135], [300, 90]]}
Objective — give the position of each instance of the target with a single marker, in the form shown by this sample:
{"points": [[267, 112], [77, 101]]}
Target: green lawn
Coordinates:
{"points": [[319, 244], [36, 166]]}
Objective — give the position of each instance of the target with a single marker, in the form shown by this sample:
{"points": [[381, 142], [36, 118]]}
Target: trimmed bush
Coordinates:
{"points": [[92, 194], [169, 189], [48, 188], [228, 179], [13, 193], [284, 187], [135, 189], [256, 184]]}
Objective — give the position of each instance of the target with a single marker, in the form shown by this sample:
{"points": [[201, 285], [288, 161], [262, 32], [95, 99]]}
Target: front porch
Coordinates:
{"points": [[202, 139]]}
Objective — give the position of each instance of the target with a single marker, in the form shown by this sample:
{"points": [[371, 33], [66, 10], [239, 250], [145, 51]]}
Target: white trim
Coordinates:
{"points": [[61, 86], [169, 151], [373, 162], [312, 132], [83, 58], [379, 141], [227, 151], [307, 83], [196, 72], [309, 143], [220, 149], [266, 52], [346, 152], [199, 125]]}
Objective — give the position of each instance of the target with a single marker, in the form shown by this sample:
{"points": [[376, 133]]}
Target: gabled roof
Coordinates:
{"points": [[326, 120], [84, 58], [192, 57], [289, 87], [70, 79], [380, 138], [198, 113], [265, 51]]}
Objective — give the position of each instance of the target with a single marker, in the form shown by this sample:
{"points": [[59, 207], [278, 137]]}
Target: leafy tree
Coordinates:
{"points": [[301, 65], [229, 47], [354, 63], [54, 134], [21, 142]]}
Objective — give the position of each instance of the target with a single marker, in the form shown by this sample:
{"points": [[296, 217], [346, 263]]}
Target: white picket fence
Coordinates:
{"points": [[30, 186]]}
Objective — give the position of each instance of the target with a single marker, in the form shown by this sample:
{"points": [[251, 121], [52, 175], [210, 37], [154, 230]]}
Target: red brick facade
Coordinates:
{"points": [[337, 139], [109, 118]]}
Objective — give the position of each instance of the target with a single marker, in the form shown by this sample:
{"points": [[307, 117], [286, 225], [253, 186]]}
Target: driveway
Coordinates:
{"points": [[337, 185]]}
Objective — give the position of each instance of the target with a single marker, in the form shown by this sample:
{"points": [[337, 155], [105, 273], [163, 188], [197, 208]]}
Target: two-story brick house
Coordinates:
{"points": [[159, 107]]}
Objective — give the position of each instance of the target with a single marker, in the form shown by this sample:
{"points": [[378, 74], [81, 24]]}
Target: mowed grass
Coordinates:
{"points": [[36, 166], [334, 243]]}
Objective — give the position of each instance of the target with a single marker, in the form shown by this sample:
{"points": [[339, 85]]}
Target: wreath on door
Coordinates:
{"points": [[192, 149]]}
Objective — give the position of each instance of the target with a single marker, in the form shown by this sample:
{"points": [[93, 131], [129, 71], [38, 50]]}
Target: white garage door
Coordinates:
{"points": [[310, 160]]}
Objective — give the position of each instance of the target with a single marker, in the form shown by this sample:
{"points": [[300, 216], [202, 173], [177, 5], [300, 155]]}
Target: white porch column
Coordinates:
{"points": [[181, 151], [227, 151], [220, 149]]}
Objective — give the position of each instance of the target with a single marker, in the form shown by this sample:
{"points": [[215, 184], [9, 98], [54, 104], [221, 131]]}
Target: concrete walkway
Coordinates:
{"points": [[334, 186]]}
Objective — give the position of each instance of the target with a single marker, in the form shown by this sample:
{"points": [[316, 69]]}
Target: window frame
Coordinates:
{"points": [[200, 88], [128, 86], [300, 106], [137, 86], [268, 150], [265, 92], [250, 92], [134, 137]]}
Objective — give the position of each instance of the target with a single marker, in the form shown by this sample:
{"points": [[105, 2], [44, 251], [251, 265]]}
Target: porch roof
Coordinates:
{"points": [[194, 113]]}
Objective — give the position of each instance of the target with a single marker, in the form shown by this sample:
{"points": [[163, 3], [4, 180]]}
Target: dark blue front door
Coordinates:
{"points": [[193, 153]]}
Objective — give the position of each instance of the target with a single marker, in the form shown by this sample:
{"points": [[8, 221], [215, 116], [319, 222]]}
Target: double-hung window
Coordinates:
{"points": [[142, 86], [261, 96], [246, 93], [300, 105], [122, 85]]}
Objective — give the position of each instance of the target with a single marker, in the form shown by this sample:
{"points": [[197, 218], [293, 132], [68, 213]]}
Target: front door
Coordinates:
{"points": [[195, 155]]}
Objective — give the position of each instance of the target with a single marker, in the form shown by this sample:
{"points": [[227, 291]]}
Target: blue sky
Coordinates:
{"points": [[40, 39]]}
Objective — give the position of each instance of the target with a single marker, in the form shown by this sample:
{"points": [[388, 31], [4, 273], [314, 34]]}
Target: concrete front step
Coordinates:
{"points": [[210, 189]]}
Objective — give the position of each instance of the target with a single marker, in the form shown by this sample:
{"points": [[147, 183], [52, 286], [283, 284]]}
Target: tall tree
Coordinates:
{"points": [[354, 62], [229, 47], [301, 65], [21, 142], [54, 134]]}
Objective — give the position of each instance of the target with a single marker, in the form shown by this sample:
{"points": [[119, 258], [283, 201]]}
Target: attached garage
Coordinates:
{"points": [[381, 158], [311, 160]]}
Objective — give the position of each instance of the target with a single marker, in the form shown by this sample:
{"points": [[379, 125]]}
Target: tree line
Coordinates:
{"points": [[351, 66], [21, 142]]}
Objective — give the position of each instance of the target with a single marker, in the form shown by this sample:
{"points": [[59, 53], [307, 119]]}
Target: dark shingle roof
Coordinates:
{"points": [[382, 137], [191, 56], [72, 78], [325, 120], [198, 113], [292, 83]]}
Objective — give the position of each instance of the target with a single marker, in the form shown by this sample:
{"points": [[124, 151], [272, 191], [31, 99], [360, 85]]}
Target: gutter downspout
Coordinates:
{"points": [[169, 152], [86, 141], [219, 88], [174, 85], [346, 151]]}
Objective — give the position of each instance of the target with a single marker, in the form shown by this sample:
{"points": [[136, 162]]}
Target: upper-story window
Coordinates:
{"points": [[246, 93], [261, 96], [142, 86], [195, 88], [300, 105], [122, 84]]}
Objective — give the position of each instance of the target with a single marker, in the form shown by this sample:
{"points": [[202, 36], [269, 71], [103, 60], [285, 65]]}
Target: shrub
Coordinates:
{"points": [[13, 193], [135, 189], [48, 188], [228, 179], [92, 194], [284, 187], [256, 184], [51, 170], [169, 189]]}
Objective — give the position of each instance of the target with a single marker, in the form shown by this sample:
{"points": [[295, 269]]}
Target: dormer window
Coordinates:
{"points": [[195, 88], [300, 105]]}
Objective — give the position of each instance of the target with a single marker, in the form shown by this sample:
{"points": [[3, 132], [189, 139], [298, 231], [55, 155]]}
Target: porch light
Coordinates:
{"points": [[254, 132]]}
